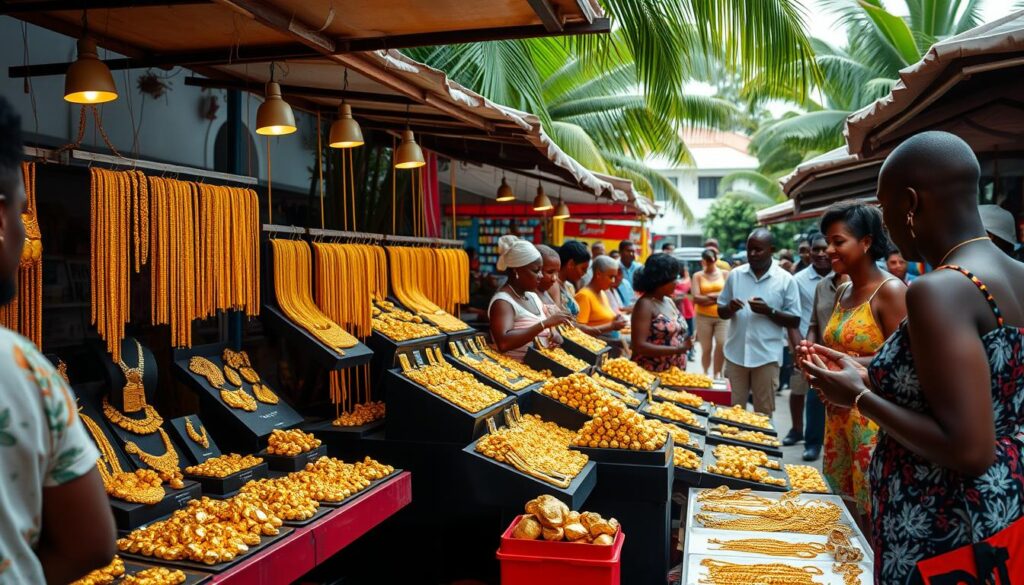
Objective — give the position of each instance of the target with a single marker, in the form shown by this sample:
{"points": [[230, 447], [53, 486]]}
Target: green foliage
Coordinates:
{"points": [[730, 220]]}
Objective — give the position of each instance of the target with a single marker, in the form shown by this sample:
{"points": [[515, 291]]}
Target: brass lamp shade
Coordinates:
{"points": [[274, 116], [562, 211], [505, 193], [541, 201], [88, 80], [408, 155], [345, 131]]}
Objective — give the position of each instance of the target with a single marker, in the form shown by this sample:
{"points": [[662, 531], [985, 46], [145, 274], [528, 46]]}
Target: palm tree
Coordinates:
{"points": [[878, 45], [611, 101]]}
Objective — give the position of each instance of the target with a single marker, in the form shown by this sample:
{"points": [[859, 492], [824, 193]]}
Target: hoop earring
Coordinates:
{"points": [[910, 224]]}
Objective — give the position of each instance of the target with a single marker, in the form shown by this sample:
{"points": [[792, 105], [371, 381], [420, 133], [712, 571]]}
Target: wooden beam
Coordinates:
{"points": [[272, 17], [384, 98], [52, 5], [458, 37], [547, 14]]}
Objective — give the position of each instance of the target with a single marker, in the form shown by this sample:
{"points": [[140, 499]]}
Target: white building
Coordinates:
{"points": [[715, 154]]}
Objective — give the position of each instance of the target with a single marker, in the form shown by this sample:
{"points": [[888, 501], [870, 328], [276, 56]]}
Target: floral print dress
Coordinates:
{"points": [[669, 331], [849, 435], [921, 509]]}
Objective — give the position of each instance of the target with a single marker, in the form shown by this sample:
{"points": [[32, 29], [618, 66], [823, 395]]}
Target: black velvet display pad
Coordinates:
{"points": [[128, 516], [224, 420], [195, 452]]}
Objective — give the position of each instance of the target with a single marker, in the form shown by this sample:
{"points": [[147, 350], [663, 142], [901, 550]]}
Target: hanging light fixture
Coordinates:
{"points": [[541, 201], [409, 155], [562, 211], [274, 116], [345, 131], [505, 193], [88, 80]]}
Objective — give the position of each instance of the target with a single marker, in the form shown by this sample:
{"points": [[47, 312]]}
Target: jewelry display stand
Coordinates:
{"points": [[713, 439], [639, 389], [591, 357], [713, 480], [191, 577], [385, 354], [194, 451], [539, 362], [701, 427], [552, 410], [742, 426], [462, 349], [704, 409], [289, 463], [689, 477], [238, 430], [214, 486]]}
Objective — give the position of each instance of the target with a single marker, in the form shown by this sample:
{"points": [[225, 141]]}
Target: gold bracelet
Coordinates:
{"points": [[856, 401]]}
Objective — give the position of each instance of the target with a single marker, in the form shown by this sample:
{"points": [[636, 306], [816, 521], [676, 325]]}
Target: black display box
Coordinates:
{"points": [[704, 409], [305, 342], [219, 567], [714, 439], [129, 516], [688, 477], [338, 439], [226, 486], [290, 463], [640, 389], [194, 452], [385, 355], [697, 443], [591, 357], [713, 480], [454, 361], [239, 430], [499, 484], [554, 411], [541, 362], [658, 457], [742, 426], [191, 577], [702, 421], [416, 413]]}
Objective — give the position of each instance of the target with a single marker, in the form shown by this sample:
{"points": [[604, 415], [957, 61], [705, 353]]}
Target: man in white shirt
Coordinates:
{"points": [[762, 301], [630, 266], [807, 280]]}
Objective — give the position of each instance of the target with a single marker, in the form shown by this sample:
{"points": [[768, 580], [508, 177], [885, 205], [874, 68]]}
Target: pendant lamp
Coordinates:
{"points": [[505, 193], [88, 80], [562, 211], [409, 155], [541, 201], [274, 116], [345, 131]]}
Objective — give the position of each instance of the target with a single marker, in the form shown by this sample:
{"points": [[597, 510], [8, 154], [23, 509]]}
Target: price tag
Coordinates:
{"points": [[462, 346], [418, 359]]}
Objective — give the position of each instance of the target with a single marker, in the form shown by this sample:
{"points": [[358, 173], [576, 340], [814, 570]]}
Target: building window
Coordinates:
{"points": [[659, 196], [707, 187]]}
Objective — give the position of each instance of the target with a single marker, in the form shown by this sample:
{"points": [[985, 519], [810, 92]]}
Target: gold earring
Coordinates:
{"points": [[910, 224]]}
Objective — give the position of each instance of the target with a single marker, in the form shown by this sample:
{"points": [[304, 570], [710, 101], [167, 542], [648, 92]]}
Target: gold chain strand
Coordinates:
{"points": [[167, 465], [134, 391], [772, 547], [726, 573], [198, 437], [142, 487], [147, 425]]}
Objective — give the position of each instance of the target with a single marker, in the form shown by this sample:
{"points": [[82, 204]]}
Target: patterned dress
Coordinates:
{"points": [[669, 331], [849, 436], [921, 509]]}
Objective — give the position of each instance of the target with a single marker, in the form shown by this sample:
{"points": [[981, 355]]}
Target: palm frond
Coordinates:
{"points": [[575, 141], [814, 130], [751, 181], [970, 17]]}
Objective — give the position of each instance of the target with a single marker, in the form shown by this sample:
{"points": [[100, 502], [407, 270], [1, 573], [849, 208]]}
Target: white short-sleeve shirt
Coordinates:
{"points": [[42, 444], [806, 281], [755, 340]]}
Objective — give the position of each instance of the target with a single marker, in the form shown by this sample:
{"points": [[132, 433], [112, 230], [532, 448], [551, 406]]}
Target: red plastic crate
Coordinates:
{"points": [[714, 396], [540, 562]]}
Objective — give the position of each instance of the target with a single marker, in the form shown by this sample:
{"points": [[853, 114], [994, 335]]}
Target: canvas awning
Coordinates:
{"points": [[826, 179], [968, 84]]}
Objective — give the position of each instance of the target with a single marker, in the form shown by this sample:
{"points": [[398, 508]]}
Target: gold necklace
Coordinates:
{"points": [[143, 426], [166, 465], [200, 437], [958, 246], [134, 392], [237, 398], [772, 546], [264, 394], [725, 573], [130, 487], [232, 376]]}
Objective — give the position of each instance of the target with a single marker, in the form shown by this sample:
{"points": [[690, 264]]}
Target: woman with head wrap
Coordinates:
{"points": [[595, 305], [516, 312]]}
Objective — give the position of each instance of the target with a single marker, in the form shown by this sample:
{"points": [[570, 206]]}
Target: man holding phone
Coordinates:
{"points": [[762, 301]]}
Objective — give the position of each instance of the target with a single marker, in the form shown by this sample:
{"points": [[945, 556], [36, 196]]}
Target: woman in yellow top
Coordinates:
{"points": [[869, 308], [707, 285], [595, 309]]}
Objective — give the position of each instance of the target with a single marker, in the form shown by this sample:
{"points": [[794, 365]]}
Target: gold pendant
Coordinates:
{"points": [[238, 399], [264, 394], [166, 465], [200, 438], [134, 393]]}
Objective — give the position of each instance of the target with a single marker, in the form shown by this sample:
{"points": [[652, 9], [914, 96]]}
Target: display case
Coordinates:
{"points": [[712, 480], [497, 484], [701, 427], [539, 361]]}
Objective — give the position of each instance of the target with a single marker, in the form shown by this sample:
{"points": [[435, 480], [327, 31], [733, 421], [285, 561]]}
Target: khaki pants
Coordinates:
{"points": [[763, 381]]}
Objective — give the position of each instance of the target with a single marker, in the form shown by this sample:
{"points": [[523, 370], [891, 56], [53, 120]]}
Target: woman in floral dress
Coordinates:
{"points": [[659, 336], [947, 389]]}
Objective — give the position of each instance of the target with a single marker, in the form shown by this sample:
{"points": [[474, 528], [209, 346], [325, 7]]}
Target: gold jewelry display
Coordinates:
{"points": [[535, 447], [744, 463], [134, 392], [224, 465], [237, 398], [166, 465], [582, 339], [396, 323], [755, 437], [264, 394], [629, 372], [141, 487], [613, 425], [550, 519], [580, 392], [200, 437], [156, 576], [24, 313], [772, 547], [806, 479], [431, 282], [960, 245], [673, 412], [516, 366], [563, 358], [460, 388], [240, 360], [781, 516], [495, 371], [685, 458], [726, 573], [362, 414], [680, 436], [291, 442], [680, 397], [104, 576], [140, 426], [292, 284], [232, 376], [676, 377], [738, 414]]}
